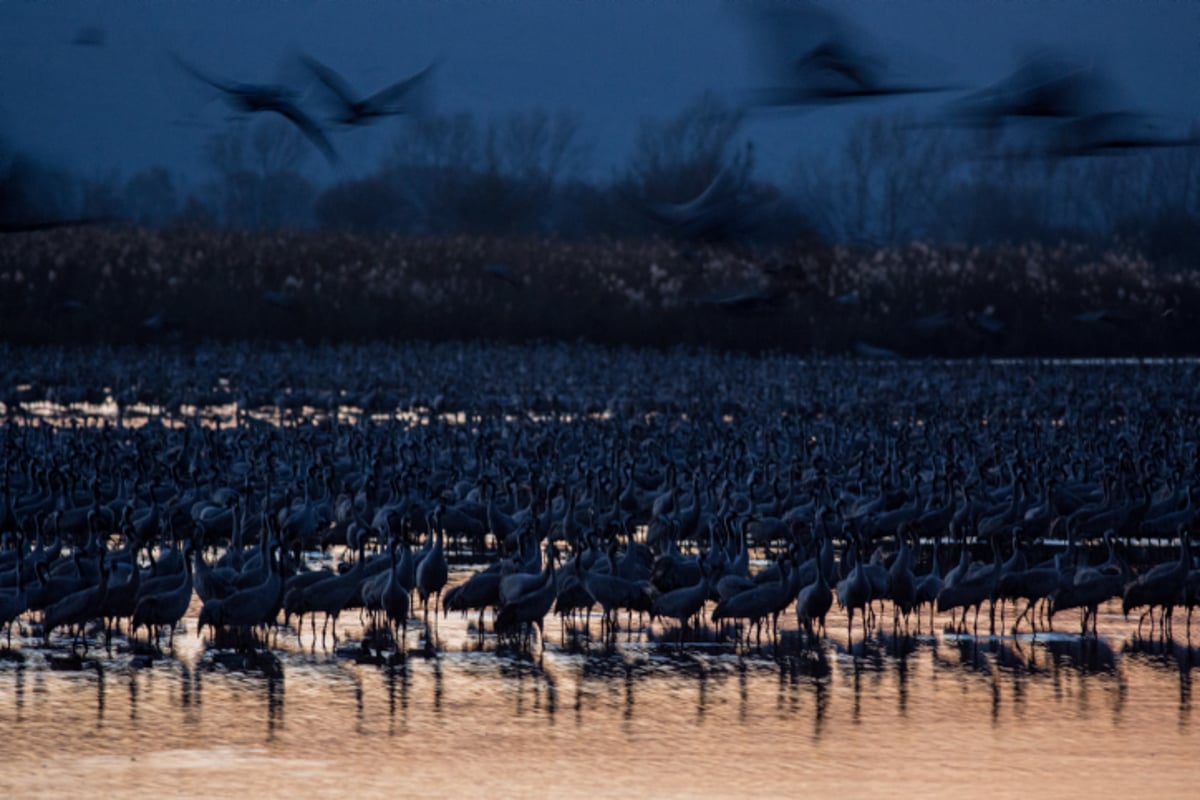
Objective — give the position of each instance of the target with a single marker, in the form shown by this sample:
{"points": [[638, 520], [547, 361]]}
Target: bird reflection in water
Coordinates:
{"points": [[438, 686], [899, 649], [185, 686], [274, 706], [743, 690], [1167, 655], [397, 677], [820, 707], [359, 709], [618, 676], [1087, 656], [101, 697], [628, 692], [192, 714], [19, 691], [522, 670]]}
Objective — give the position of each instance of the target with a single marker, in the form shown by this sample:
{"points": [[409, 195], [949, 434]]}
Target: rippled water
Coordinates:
{"points": [[937, 716]]}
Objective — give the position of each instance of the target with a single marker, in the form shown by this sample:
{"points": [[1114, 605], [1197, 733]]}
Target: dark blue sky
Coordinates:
{"points": [[124, 105]]}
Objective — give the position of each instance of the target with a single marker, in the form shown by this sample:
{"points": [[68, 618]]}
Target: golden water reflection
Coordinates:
{"points": [[895, 716]]}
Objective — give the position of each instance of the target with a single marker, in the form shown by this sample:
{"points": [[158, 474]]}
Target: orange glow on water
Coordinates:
{"points": [[899, 716]]}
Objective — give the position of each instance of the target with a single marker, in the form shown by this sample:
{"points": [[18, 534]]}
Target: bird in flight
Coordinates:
{"points": [[720, 212], [253, 98], [1071, 105], [1046, 86], [402, 97], [813, 58]]}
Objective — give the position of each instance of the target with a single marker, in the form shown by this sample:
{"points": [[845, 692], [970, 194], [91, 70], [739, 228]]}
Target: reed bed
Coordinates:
{"points": [[118, 285]]}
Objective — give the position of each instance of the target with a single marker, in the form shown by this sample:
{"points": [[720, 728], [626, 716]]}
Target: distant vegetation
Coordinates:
{"points": [[122, 285], [487, 228]]}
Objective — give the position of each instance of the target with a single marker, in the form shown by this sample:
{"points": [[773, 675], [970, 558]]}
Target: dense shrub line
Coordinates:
{"points": [[125, 285]]}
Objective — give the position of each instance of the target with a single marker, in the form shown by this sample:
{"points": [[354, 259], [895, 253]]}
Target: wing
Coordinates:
{"points": [[784, 31], [308, 127], [385, 99], [1047, 85], [834, 59], [223, 86], [332, 81]]}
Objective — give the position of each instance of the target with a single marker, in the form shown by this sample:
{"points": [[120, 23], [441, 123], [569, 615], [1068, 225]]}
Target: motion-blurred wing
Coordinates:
{"points": [[387, 99], [331, 80], [308, 127]]}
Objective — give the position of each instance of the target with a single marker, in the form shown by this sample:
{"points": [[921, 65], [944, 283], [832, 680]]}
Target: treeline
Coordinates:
{"points": [[895, 181]]}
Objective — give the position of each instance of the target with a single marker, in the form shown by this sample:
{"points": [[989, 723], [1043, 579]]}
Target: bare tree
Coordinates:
{"points": [[258, 170], [674, 160], [499, 177], [149, 197], [536, 146], [32, 191], [100, 196]]}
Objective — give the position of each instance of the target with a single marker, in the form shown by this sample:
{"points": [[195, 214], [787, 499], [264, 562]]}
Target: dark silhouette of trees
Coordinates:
{"points": [[675, 159], [690, 175], [149, 198], [258, 179]]}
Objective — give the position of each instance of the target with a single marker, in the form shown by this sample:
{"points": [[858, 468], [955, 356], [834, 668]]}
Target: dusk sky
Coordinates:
{"points": [[124, 105]]}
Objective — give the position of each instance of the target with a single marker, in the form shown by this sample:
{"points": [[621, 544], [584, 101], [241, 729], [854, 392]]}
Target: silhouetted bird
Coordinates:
{"points": [[89, 36], [721, 212], [403, 97], [1046, 86], [502, 272], [253, 98], [1117, 132], [747, 302], [813, 59]]}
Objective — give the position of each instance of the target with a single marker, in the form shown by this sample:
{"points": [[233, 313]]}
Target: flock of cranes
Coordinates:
{"points": [[649, 484], [1053, 105], [348, 107]]}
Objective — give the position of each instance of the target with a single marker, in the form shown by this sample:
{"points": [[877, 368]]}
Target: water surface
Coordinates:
{"points": [[929, 715]]}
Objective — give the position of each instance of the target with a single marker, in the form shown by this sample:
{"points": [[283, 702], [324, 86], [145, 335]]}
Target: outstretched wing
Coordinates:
{"points": [[223, 86], [1047, 86], [387, 99], [785, 31], [308, 127], [331, 80], [834, 59]]}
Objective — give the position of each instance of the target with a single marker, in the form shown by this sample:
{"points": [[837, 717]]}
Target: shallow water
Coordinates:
{"points": [[934, 715]]}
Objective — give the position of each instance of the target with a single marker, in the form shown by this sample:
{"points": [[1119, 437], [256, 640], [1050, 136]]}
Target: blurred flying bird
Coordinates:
{"points": [[932, 324], [502, 272], [279, 299], [864, 350], [849, 299], [814, 57], [747, 302], [720, 212], [1075, 104], [157, 322], [1103, 315], [988, 323], [403, 97], [1047, 85], [252, 98], [1117, 132], [89, 36]]}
